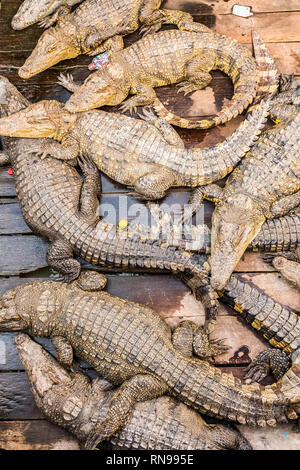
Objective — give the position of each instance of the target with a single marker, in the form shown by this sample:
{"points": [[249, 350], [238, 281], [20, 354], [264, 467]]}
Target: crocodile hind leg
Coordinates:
{"points": [[189, 337], [197, 73], [90, 191], [153, 185], [271, 360], [60, 258], [138, 388], [145, 95], [4, 159]]}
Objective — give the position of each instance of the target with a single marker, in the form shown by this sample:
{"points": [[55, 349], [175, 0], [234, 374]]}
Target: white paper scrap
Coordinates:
{"points": [[241, 10]]}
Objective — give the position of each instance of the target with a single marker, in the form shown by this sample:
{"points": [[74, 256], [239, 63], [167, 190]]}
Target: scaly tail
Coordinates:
{"points": [[246, 88], [269, 80]]}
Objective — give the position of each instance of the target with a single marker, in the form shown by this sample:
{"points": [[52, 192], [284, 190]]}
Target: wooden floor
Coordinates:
{"points": [[22, 254]]}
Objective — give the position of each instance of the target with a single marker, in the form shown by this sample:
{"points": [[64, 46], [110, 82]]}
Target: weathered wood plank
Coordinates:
{"points": [[42, 435], [11, 220], [21, 254], [35, 435], [203, 7]]}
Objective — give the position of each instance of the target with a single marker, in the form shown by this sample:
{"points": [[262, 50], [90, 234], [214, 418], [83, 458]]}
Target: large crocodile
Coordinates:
{"points": [[132, 346], [75, 403], [175, 56], [264, 186], [148, 156], [33, 11], [57, 205], [94, 26]]}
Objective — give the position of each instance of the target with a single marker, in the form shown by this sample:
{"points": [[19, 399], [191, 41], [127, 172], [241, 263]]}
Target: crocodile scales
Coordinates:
{"points": [[58, 206], [74, 402], [33, 11], [264, 186], [95, 26], [131, 346], [146, 155], [187, 58]]}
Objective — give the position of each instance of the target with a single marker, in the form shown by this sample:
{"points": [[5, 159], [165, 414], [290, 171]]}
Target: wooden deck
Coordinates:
{"points": [[22, 254]]}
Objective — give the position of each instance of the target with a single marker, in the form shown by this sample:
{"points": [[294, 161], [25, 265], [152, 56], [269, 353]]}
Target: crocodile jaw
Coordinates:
{"points": [[233, 229]]}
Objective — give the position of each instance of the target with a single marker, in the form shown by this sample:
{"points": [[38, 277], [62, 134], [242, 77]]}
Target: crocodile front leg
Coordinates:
{"points": [[63, 350], [67, 81], [271, 361], [138, 388], [285, 205], [50, 20], [4, 159], [90, 191], [113, 44], [145, 95], [211, 192], [189, 337], [167, 131]]}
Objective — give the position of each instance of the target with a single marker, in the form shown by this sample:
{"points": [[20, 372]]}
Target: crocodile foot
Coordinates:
{"points": [[150, 29], [187, 87], [269, 361]]}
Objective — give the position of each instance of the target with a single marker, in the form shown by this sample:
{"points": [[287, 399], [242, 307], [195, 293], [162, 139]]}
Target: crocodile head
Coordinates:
{"points": [[43, 119], [235, 223], [31, 12], [11, 317], [108, 86], [56, 44], [61, 395]]}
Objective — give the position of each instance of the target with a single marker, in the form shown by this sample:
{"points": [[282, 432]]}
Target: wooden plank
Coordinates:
{"points": [[42, 435], [11, 220], [35, 435], [203, 7], [273, 27], [21, 254]]}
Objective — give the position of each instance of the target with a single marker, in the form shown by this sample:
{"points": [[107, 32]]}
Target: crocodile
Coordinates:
{"points": [[187, 57], [46, 12], [132, 346], [95, 26], [264, 186], [146, 154], [58, 206], [74, 402]]}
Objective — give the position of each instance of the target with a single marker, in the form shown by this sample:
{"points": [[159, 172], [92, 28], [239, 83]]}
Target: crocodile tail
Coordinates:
{"points": [[263, 82], [275, 322], [268, 75]]}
